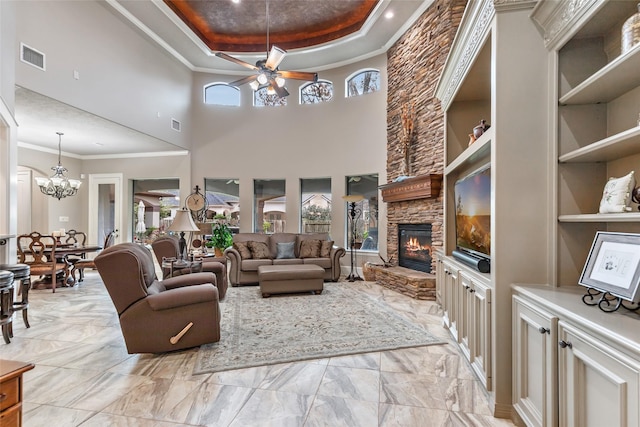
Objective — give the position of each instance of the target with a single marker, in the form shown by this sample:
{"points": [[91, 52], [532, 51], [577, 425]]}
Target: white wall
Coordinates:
{"points": [[124, 76], [346, 136]]}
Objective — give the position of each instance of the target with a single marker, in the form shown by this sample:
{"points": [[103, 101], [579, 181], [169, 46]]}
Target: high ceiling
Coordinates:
{"points": [[318, 35], [236, 27]]}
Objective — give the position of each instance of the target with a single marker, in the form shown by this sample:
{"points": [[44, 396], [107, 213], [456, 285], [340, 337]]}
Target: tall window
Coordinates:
{"points": [[223, 198], [316, 205], [261, 98], [222, 94], [269, 205], [366, 225], [313, 93], [363, 82]]}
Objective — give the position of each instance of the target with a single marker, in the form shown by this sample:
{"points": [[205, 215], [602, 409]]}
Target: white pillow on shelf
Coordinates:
{"points": [[616, 197]]}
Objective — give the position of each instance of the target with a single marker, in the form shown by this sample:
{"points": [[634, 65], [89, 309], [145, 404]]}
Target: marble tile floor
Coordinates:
{"points": [[85, 377]]}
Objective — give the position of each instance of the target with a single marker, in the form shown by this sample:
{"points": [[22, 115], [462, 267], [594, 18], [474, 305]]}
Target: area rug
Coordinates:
{"points": [[258, 331]]}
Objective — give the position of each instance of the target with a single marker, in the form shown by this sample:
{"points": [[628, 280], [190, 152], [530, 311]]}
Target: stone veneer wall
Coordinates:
{"points": [[414, 66]]}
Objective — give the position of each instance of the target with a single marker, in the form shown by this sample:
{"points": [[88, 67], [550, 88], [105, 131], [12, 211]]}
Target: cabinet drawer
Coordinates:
{"points": [[12, 417], [9, 393]]}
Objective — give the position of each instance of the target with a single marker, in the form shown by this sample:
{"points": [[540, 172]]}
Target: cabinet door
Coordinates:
{"points": [[535, 352], [439, 280], [465, 318], [480, 331], [598, 385], [450, 292]]}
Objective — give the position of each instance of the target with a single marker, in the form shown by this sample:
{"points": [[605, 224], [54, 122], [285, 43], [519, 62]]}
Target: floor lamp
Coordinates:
{"points": [[354, 213], [182, 223]]}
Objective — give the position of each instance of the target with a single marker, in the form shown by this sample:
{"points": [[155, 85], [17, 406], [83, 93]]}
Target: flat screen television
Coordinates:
{"points": [[473, 213]]}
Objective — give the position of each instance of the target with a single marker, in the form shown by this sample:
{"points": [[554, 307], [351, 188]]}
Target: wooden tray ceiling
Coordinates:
{"points": [[242, 27]]}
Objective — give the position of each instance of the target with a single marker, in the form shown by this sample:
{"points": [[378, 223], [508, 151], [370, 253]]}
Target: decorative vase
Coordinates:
{"points": [[480, 129], [472, 139], [631, 32], [218, 252]]}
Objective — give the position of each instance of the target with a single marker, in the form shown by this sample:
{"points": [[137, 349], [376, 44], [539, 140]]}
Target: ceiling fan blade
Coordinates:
{"points": [[236, 60], [282, 92], [275, 57], [243, 80], [299, 75]]}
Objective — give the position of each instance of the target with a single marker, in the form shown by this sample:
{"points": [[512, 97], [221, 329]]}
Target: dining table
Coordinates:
{"points": [[62, 251]]}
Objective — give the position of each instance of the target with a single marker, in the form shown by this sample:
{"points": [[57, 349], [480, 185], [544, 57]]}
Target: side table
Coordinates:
{"points": [[11, 387], [172, 267]]}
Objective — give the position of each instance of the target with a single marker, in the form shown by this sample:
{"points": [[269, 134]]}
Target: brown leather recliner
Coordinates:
{"points": [[168, 247], [158, 316]]}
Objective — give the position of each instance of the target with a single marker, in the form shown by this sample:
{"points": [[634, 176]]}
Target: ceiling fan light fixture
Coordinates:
{"points": [[271, 90], [280, 81], [254, 85], [262, 78]]}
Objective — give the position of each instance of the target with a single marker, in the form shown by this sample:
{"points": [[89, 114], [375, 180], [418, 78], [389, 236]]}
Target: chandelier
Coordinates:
{"points": [[58, 186]]}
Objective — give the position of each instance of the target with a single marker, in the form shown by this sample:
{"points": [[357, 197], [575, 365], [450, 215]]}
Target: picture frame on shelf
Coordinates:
{"points": [[613, 265]]}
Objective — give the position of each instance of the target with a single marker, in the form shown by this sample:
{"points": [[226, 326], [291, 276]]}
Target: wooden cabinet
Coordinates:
{"points": [[467, 314], [11, 391], [574, 365]]}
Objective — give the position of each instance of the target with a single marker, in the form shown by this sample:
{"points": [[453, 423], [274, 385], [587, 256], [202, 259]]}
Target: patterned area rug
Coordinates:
{"points": [[260, 331]]}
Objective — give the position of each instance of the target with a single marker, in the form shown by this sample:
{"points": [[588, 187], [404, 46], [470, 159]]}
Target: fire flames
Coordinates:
{"points": [[413, 248]]}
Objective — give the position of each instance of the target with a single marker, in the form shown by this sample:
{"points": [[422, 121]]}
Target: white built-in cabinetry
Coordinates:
{"points": [[496, 71], [467, 313], [574, 365]]}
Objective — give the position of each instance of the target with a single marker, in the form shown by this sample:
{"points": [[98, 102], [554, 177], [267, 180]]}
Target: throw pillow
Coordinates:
{"points": [[616, 197], [325, 248], [243, 249], [285, 250], [259, 250], [310, 248]]}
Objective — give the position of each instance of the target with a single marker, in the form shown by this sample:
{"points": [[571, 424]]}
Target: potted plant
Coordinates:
{"points": [[221, 238]]}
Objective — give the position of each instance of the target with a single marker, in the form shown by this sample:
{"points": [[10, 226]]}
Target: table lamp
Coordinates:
{"points": [[182, 223], [354, 213]]}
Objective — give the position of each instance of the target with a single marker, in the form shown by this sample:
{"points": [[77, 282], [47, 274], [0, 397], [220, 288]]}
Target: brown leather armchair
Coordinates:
{"points": [[168, 247], [158, 316]]}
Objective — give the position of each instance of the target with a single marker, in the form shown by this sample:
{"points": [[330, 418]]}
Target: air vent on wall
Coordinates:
{"points": [[32, 56], [175, 125]]}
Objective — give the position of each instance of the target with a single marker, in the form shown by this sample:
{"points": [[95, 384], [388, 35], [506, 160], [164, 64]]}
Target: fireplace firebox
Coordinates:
{"points": [[414, 246]]}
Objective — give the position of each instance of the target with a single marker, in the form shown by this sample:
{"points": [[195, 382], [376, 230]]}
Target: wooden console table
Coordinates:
{"points": [[11, 391]]}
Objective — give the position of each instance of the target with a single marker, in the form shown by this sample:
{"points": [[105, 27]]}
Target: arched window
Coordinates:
{"points": [[263, 99], [362, 82], [313, 93], [222, 94]]}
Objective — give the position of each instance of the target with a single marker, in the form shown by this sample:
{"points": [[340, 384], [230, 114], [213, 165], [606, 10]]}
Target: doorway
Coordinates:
{"points": [[105, 206]]}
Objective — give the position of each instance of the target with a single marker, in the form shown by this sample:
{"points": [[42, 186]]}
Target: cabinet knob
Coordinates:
{"points": [[564, 344], [544, 330]]}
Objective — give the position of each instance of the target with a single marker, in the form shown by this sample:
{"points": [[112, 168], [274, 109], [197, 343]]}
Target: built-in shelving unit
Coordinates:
{"points": [[570, 367], [598, 135], [496, 71]]}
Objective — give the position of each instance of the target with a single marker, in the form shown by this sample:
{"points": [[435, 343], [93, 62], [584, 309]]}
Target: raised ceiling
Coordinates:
{"points": [[292, 24], [318, 35]]}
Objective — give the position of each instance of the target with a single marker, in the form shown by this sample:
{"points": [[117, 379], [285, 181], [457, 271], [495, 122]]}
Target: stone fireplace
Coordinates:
{"points": [[415, 246]]}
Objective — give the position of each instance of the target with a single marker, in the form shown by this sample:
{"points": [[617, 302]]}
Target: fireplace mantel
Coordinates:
{"points": [[419, 187]]}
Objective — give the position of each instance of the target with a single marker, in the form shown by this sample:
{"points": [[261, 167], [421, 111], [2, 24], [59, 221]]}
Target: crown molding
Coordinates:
{"points": [[557, 20]]}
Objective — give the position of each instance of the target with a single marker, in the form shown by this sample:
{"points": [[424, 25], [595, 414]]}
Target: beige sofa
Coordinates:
{"points": [[281, 249]]}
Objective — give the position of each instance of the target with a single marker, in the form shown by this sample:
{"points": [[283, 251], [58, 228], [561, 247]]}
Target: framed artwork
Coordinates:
{"points": [[613, 265]]}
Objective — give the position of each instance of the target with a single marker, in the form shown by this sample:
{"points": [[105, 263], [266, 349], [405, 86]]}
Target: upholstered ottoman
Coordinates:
{"points": [[282, 279]]}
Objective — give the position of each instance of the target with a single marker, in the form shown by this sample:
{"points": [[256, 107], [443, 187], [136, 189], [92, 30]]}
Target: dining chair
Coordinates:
{"points": [[38, 251], [83, 263], [75, 238]]}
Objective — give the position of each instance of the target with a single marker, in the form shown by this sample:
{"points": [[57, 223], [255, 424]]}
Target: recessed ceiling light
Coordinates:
{"points": [[236, 1], [389, 14]]}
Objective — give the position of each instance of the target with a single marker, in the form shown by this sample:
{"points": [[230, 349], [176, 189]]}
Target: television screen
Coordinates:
{"points": [[473, 213]]}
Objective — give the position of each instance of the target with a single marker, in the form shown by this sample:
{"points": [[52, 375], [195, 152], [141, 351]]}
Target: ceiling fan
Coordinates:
{"points": [[267, 73]]}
